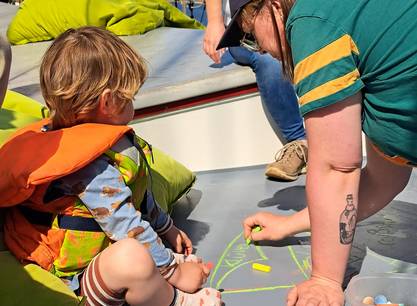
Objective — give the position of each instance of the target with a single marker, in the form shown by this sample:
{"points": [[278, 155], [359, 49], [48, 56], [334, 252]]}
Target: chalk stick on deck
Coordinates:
{"points": [[261, 267]]}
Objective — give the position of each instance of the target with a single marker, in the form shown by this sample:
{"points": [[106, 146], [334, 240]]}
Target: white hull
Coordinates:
{"points": [[225, 134]]}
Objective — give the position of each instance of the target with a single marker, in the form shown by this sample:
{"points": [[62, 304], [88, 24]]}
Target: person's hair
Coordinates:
{"points": [[79, 65], [252, 9]]}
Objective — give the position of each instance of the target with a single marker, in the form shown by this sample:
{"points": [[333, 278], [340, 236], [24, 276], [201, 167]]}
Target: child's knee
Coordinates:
{"points": [[129, 257]]}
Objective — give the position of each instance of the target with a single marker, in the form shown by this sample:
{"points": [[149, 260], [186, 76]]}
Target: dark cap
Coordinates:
{"points": [[233, 33]]}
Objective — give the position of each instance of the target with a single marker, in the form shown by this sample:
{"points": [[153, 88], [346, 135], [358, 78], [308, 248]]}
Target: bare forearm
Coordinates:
{"points": [[332, 199], [381, 181], [214, 11], [299, 222], [376, 190]]}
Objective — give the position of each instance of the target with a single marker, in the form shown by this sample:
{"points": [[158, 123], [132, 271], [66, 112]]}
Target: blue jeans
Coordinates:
{"points": [[277, 94]]}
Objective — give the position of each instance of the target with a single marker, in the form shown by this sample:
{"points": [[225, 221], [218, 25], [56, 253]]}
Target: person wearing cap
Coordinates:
{"points": [[277, 94], [354, 67]]}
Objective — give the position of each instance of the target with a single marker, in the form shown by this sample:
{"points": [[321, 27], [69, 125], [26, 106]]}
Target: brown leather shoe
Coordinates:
{"points": [[290, 162]]}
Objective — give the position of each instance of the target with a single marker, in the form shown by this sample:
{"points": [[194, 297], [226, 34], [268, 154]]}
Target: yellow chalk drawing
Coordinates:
{"points": [[234, 257]]}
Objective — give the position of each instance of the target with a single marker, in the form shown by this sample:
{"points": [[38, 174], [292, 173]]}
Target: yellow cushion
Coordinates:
{"points": [[18, 111], [31, 285]]}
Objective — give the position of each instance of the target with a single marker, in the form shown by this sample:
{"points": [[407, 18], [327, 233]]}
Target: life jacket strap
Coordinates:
{"points": [[64, 222]]}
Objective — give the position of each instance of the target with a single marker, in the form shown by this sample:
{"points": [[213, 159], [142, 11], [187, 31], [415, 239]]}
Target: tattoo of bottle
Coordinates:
{"points": [[347, 221]]}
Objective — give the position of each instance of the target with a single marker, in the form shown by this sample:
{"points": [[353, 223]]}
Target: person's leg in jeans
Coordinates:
{"points": [[281, 105]]}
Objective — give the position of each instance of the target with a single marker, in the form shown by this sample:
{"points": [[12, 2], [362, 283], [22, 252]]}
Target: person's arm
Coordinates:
{"points": [[214, 31], [106, 196], [274, 226], [335, 158], [162, 223], [100, 187], [332, 187], [5, 60]]}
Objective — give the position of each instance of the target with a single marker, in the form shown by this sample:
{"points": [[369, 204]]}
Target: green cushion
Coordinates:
{"points": [[170, 179], [31, 285], [19, 103], [39, 20], [18, 111]]}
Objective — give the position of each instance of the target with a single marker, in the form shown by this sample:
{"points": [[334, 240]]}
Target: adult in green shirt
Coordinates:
{"points": [[354, 65]]}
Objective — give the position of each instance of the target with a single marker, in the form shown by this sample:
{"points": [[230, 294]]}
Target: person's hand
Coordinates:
{"points": [[181, 258], [179, 241], [189, 276], [316, 291], [273, 227], [214, 32]]}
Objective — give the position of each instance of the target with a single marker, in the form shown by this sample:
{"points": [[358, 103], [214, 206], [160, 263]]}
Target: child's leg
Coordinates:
{"points": [[126, 271]]}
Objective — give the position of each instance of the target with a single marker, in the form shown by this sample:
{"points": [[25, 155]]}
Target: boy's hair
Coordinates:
{"points": [[79, 65]]}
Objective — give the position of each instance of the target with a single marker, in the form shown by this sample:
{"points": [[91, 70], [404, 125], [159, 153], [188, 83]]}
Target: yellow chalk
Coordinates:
{"points": [[255, 230], [261, 267]]}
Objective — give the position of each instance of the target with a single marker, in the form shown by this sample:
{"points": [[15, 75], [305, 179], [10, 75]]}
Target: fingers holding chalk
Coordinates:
{"points": [[254, 230]]}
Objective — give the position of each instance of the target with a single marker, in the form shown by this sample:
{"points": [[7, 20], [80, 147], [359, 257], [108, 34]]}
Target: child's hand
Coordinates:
{"points": [[274, 227], [179, 241], [181, 258], [189, 276]]}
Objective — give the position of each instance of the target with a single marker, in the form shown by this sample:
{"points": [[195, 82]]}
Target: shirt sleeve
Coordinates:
{"points": [[101, 188], [160, 221], [325, 62]]}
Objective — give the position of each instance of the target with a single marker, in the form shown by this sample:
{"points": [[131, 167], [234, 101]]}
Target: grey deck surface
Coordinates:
{"points": [[178, 67], [212, 214]]}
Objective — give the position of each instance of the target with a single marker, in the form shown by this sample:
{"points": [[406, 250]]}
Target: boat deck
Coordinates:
{"points": [[212, 214]]}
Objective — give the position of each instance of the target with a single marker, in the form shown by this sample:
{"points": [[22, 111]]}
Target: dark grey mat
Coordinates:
{"points": [[212, 214]]}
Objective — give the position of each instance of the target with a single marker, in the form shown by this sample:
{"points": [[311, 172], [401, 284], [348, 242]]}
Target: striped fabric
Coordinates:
{"points": [[95, 290], [325, 66], [341, 48]]}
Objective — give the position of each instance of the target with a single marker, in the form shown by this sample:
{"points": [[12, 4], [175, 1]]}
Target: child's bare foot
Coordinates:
{"points": [[203, 297], [181, 258]]}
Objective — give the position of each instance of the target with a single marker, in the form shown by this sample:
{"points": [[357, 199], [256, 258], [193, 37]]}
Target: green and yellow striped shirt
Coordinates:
{"points": [[342, 47]]}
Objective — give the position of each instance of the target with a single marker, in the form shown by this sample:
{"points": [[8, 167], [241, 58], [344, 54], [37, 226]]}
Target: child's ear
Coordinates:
{"points": [[105, 102]]}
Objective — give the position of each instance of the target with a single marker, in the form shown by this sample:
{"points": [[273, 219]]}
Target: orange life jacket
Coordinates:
{"points": [[29, 161]]}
